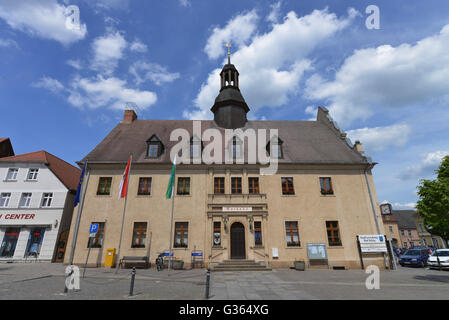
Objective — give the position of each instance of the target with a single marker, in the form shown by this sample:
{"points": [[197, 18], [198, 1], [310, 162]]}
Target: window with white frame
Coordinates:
{"points": [[32, 174], [4, 199], [12, 174], [25, 200], [46, 199]]}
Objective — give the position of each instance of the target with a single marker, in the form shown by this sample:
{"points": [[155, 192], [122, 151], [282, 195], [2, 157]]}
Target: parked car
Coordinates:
{"points": [[414, 257], [439, 254]]}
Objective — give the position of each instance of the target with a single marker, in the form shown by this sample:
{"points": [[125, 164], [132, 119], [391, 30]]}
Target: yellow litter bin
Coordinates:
{"points": [[110, 258]]}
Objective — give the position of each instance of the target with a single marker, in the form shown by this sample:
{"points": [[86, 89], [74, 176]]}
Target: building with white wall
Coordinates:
{"points": [[36, 203]]}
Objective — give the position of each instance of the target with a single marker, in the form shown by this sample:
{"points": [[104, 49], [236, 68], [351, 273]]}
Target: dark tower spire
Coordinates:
{"points": [[230, 108]]}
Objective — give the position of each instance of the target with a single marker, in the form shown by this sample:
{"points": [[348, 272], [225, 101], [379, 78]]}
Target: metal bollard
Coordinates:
{"points": [[133, 276], [207, 283]]}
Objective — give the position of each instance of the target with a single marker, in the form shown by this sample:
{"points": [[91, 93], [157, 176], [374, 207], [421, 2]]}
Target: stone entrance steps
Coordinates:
{"points": [[240, 265]]}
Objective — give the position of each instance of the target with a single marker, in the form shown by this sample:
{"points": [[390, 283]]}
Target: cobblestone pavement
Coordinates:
{"points": [[286, 284], [46, 281]]}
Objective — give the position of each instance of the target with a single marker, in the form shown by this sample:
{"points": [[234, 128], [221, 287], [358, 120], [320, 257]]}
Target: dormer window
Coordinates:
{"points": [[237, 148], [155, 147], [196, 148], [275, 149]]}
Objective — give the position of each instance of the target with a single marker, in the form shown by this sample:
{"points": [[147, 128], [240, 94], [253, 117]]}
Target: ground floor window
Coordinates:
{"points": [[333, 233], [97, 241], [258, 233], [34, 243], [9, 242], [181, 234], [292, 235], [217, 233], [139, 235]]}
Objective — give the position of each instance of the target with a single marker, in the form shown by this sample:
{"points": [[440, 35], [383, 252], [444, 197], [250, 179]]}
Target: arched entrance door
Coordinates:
{"points": [[237, 241]]}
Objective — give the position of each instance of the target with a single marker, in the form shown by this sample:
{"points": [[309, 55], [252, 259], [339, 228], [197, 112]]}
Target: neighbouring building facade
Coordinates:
{"points": [[322, 193], [36, 204], [427, 238], [390, 224], [407, 228]]}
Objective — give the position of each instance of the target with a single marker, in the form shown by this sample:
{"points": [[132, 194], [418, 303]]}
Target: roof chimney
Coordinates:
{"points": [[129, 116], [358, 147]]}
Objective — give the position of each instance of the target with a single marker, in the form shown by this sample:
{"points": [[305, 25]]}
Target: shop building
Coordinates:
{"points": [[36, 203], [320, 198]]}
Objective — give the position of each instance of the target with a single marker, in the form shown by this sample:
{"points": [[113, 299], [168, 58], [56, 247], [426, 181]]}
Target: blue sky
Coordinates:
{"points": [[63, 90]]}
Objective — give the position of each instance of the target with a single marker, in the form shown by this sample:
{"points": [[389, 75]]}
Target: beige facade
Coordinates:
{"points": [[427, 239], [349, 205]]}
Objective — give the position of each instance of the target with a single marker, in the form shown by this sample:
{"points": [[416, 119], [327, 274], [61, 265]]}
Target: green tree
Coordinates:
{"points": [[433, 205]]}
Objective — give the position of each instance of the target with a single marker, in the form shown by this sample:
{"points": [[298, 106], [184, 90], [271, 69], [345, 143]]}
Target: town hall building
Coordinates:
{"points": [[314, 206]]}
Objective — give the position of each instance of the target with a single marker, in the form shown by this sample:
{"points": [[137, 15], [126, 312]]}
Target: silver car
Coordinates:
{"points": [[440, 254]]}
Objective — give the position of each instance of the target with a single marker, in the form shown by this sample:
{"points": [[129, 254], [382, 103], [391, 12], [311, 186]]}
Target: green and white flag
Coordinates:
{"points": [[171, 182]]}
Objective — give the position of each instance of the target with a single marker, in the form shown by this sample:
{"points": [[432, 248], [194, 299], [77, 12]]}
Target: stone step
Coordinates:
{"points": [[239, 261], [218, 269]]}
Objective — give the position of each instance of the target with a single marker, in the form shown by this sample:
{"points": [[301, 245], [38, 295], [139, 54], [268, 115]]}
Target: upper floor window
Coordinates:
{"points": [[12, 174], [144, 186], [183, 186], [287, 185], [155, 147], [219, 185], [104, 186], [410, 233], [390, 228], [32, 174], [236, 185], [253, 185], [4, 199], [46, 199], [333, 233], [326, 186], [25, 200]]}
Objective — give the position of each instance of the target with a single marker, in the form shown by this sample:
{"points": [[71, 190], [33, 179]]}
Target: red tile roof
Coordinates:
{"points": [[68, 174]]}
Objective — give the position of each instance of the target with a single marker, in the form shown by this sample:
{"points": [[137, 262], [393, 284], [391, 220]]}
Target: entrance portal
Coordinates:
{"points": [[238, 241]]}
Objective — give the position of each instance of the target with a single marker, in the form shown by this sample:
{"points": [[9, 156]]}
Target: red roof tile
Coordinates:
{"points": [[68, 174]]}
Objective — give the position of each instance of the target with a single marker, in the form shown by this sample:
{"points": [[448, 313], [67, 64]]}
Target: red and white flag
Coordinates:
{"points": [[125, 179]]}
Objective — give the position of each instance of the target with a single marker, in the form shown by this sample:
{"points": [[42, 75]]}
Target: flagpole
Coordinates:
{"points": [[78, 218], [171, 226], [123, 216], [170, 261]]}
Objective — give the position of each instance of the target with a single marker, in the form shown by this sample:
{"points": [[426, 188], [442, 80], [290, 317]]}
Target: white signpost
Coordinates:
{"points": [[372, 243]]}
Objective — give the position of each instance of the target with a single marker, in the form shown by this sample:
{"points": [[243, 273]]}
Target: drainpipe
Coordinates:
{"points": [[370, 166]]}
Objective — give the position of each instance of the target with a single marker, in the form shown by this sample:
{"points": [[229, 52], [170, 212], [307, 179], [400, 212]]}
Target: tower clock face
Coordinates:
{"points": [[385, 209]]}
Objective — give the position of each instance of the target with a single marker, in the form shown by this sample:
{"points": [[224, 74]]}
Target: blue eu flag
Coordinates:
{"points": [[78, 191]]}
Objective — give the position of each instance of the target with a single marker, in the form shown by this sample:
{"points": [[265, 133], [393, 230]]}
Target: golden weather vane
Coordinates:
{"points": [[228, 45]]}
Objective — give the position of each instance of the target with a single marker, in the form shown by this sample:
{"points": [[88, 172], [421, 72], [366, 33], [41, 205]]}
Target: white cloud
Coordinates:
{"points": [[144, 71], [238, 30], [107, 92], [410, 205], [275, 12], [429, 163], [49, 83], [185, 3], [43, 18], [138, 46], [108, 50], [387, 77], [379, 138], [272, 65], [76, 64], [5, 43]]}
